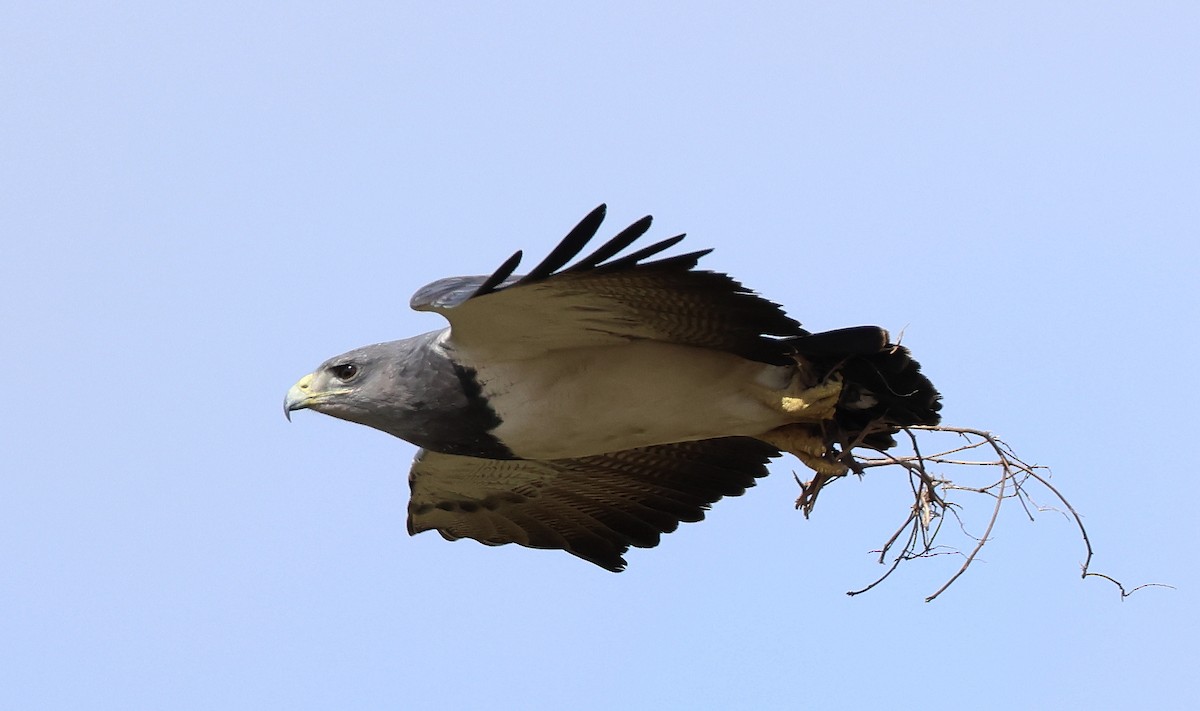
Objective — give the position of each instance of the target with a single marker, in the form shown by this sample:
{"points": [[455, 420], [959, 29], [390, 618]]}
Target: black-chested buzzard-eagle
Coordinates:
{"points": [[593, 405]]}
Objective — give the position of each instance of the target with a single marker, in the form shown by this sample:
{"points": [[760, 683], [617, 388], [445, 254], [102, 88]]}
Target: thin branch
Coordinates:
{"points": [[930, 504], [1121, 587], [987, 534]]}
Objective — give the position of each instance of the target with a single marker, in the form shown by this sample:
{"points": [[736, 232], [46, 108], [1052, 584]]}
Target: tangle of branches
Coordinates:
{"points": [[1010, 479]]}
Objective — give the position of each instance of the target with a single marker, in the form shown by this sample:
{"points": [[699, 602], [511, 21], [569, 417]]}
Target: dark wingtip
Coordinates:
{"points": [[499, 275], [610, 248], [570, 245], [632, 259], [574, 242]]}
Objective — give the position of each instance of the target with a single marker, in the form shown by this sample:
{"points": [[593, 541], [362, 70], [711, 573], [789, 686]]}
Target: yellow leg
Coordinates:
{"points": [[806, 443], [813, 404]]}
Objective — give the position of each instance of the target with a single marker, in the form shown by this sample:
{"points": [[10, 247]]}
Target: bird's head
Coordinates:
{"points": [[353, 386]]}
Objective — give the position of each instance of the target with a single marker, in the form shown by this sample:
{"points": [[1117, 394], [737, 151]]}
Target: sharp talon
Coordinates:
{"points": [[822, 465], [806, 443]]}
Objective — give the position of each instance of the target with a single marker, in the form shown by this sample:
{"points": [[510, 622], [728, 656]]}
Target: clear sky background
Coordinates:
{"points": [[201, 201]]}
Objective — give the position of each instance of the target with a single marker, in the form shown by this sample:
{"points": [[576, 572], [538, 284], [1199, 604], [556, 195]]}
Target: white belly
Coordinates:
{"points": [[586, 401]]}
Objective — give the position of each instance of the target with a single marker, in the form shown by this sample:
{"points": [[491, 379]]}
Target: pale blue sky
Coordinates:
{"points": [[202, 201]]}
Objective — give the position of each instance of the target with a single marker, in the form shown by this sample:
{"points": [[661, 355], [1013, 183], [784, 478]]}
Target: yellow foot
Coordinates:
{"points": [[813, 404], [806, 443]]}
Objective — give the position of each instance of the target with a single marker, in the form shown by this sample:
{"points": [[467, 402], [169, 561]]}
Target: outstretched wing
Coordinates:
{"points": [[606, 297], [591, 507]]}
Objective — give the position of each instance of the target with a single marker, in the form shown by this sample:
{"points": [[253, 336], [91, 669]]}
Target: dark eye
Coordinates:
{"points": [[344, 372]]}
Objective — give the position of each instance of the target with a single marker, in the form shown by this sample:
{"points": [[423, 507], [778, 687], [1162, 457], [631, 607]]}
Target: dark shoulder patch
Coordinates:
{"points": [[481, 418]]}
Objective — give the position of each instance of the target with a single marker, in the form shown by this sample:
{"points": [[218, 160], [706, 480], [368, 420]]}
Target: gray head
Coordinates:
{"points": [[410, 389], [359, 386]]}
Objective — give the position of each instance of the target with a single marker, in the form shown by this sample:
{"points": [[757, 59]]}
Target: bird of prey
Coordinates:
{"points": [[596, 402]]}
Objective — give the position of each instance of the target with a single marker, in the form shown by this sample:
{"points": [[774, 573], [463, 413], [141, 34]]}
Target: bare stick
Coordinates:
{"points": [[929, 503]]}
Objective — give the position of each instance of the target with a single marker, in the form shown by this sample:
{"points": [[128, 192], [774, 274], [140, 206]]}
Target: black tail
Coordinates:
{"points": [[883, 387]]}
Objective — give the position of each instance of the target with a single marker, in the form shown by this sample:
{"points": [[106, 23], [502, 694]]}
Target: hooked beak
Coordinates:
{"points": [[298, 396]]}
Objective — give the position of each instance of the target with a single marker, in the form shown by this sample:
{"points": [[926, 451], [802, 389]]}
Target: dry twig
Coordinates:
{"points": [[930, 505]]}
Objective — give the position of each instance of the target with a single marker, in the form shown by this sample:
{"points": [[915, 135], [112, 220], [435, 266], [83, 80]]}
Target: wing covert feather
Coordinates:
{"points": [[606, 298]]}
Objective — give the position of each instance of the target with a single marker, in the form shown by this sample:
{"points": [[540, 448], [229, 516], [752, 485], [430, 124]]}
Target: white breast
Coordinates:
{"points": [[585, 401]]}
